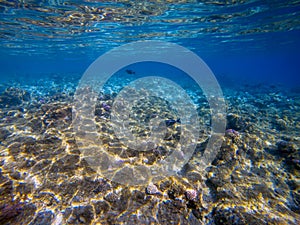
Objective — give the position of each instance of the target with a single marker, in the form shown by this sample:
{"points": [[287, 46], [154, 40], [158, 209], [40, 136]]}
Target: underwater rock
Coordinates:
{"points": [[235, 122], [286, 147], [3, 134], [60, 96], [118, 202], [122, 204], [101, 207], [233, 134], [24, 188], [103, 186], [194, 176], [235, 215], [111, 197], [131, 219], [172, 212], [194, 216], [36, 124], [280, 124], [218, 180], [43, 217], [176, 191], [17, 92], [9, 211], [14, 96], [56, 114], [7, 101], [227, 152], [81, 215], [139, 198], [295, 206]]}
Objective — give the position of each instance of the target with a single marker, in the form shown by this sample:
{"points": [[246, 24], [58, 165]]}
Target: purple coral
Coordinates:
{"points": [[152, 189], [191, 194], [106, 106], [231, 133]]}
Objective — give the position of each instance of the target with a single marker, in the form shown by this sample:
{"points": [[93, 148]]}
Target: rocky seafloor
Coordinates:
{"points": [[44, 180]]}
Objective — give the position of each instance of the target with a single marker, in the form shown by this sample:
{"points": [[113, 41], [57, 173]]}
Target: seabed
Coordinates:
{"points": [[45, 180]]}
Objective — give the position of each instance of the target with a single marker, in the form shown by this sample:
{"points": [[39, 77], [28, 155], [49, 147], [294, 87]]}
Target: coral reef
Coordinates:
{"points": [[253, 179]]}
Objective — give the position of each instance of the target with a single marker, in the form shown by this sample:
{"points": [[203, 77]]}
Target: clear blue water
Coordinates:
{"points": [[241, 41]]}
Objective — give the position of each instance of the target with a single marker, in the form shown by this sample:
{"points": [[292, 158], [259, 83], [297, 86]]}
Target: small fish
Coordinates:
{"points": [[171, 122], [130, 72]]}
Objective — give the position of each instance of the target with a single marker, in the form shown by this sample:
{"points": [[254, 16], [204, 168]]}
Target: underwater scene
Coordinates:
{"points": [[149, 112]]}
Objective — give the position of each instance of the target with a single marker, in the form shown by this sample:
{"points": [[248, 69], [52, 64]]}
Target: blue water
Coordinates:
{"points": [[250, 42]]}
